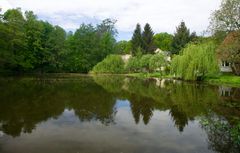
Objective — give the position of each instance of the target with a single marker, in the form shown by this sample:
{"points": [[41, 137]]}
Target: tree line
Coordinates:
{"points": [[28, 44], [147, 42], [31, 45], [193, 57]]}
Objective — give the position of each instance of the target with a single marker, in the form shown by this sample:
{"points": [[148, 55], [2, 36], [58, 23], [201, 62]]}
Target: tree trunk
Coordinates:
{"points": [[236, 68]]}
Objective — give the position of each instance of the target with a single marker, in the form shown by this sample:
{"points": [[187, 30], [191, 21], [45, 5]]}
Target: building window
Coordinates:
{"points": [[225, 64]]}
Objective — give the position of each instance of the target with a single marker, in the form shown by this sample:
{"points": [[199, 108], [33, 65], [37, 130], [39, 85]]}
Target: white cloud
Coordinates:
{"points": [[162, 15]]}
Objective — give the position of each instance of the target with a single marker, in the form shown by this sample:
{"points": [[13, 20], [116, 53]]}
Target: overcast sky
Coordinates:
{"points": [[163, 15]]}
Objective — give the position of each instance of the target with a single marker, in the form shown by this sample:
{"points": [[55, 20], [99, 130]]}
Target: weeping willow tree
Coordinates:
{"points": [[195, 62]]}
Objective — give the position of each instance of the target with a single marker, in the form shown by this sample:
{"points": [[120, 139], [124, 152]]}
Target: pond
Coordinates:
{"points": [[115, 114]]}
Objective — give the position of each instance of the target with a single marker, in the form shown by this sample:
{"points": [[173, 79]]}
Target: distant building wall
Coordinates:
{"points": [[126, 57], [167, 54], [225, 66]]}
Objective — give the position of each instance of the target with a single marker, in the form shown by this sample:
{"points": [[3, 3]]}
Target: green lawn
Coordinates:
{"points": [[223, 79], [226, 79]]}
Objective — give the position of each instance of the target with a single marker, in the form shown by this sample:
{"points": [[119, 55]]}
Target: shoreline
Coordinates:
{"points": [[223, 79]]}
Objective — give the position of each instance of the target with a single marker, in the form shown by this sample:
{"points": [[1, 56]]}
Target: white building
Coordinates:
{"points": [[167, 54], [126, 57], [225, 66]]}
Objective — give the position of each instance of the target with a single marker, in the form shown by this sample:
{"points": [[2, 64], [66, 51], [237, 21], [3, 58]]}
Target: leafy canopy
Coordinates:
{"points": [[181, 38], [163, 41], [31, 45], [195, 62], [227, 17]]}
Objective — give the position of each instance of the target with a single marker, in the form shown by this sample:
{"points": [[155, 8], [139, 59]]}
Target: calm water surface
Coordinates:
{"points": [[110, 114]]}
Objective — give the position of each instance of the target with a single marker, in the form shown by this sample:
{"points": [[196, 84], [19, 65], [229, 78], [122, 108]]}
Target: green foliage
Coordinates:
{"points": [[163, 41], [137, 40], [195, 62], [145, 62], [90, 45], [235, 134], [227, 18], [147, 37], [157, 62], [55, 46], [133, 64], [13, 41], [123, 47], [223, 134], [31, 45], [142, 41], [82, 48], [111, 64], [181, 37], [228, 79]]}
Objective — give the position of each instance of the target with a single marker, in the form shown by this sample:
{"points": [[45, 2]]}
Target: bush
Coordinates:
{"points": [[144, 62], [157, 63], [148, 63], [133, 65], [111, 64], [195, 62]]}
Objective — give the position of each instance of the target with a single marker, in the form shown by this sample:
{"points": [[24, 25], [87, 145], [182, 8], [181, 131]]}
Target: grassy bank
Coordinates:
{"points": [[225, 79]]}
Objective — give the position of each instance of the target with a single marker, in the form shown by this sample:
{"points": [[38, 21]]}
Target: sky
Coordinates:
{"points": [[162, 15]]}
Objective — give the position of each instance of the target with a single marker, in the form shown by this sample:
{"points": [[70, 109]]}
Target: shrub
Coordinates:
{"points": [[133, 65], [111, 64], [144, 62], [157, 63], [147, 63]]}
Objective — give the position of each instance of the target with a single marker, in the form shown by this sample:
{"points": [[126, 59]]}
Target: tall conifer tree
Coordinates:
{"points": [[137, 39], [181, 37], [147, 37]]}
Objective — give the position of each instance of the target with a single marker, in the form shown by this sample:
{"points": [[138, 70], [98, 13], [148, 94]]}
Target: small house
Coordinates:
{"points": [[167, 54], [225, 66], [126, 57]]}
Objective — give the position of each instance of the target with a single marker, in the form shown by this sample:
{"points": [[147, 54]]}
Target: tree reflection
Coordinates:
{"points": [[185, 101], [218, 130], [179, 117], [220, 123], [27, 102], [141, 108]]}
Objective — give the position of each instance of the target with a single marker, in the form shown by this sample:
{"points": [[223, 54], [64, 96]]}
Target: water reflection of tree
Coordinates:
{"points": [[219, 134], [24, 104], [27, 102], [185, 101], [94, 103], [141, 107], [218, 125], [179, 117]]}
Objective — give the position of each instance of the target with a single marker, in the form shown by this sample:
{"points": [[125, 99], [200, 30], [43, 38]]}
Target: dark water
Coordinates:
{"points": [[115, 115]]}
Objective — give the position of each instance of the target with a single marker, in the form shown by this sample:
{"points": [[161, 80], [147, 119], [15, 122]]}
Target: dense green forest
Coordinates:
{"points": [[31, 45]]}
